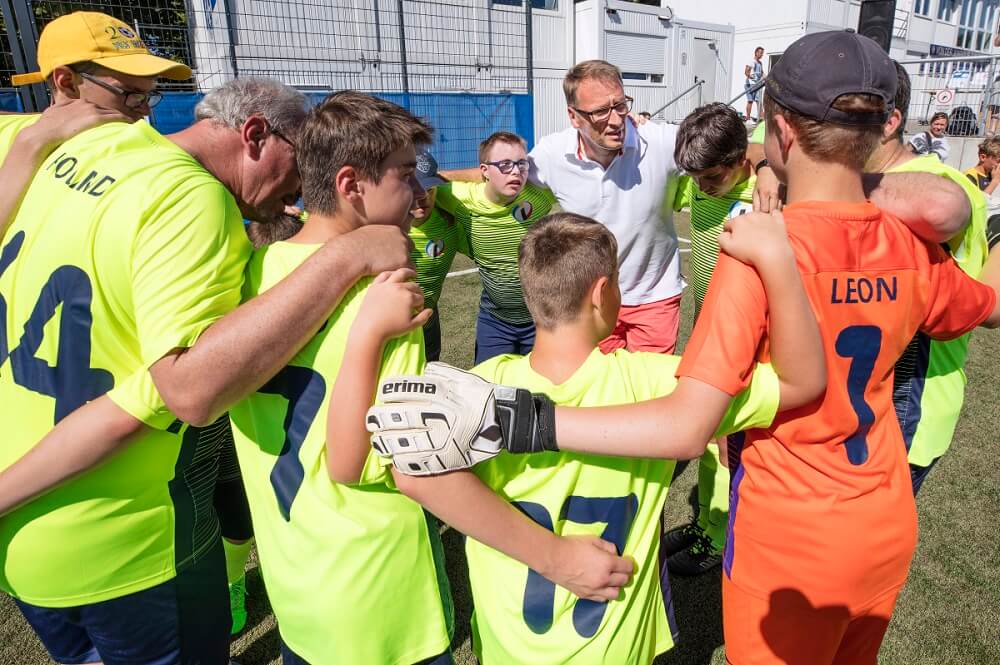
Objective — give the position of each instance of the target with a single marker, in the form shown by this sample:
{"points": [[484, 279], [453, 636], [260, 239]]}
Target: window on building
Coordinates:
{"points": [[922, 7], [550, 5], [946, 10]]}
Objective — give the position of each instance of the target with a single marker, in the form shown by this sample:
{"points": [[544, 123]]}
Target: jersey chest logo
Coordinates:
{"points": [[522, 211], [434, 248], [739, 208]]}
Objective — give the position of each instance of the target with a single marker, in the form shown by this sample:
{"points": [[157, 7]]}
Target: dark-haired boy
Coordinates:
{"points": [[353, 568], [495, 214], [719, 183]]}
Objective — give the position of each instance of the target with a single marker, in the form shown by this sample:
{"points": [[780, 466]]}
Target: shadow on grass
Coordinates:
{"points": [[264, 647]]}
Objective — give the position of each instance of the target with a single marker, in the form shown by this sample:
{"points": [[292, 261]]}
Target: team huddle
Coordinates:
{"points": [[189, 364]]}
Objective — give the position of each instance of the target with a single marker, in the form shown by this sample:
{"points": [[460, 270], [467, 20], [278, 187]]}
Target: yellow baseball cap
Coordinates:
{"points": [[101, 39]]}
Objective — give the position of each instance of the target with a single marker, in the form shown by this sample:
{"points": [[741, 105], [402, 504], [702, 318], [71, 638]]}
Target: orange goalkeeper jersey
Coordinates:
{"points": [[822, 501]]}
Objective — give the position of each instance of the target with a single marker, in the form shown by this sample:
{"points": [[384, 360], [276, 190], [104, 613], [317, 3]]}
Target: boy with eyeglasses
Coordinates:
{"points": [[495, 214]]}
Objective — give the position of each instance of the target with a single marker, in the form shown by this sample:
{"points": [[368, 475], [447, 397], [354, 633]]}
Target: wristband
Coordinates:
{"points": [[761, 164], [527, 421]]}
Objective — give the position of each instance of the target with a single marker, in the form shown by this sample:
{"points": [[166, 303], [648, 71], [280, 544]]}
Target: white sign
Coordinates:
{"points": [[945, 97]]}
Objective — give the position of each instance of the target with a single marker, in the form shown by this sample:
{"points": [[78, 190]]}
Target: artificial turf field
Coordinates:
{"points": [[948, 614]]}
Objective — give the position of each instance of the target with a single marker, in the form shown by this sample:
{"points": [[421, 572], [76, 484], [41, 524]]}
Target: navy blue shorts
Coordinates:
{"points": [[918, 474], [495, 337], [432, 338], [184, 621]]}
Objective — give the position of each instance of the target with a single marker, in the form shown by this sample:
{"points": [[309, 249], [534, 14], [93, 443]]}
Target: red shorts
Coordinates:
{"points": [[649, 327], [786, 629]]}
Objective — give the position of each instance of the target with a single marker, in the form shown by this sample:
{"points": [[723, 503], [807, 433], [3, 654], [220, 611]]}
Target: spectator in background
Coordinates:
{"points": [[645, 114], [755, 74], [986, 174], [933, 140]]}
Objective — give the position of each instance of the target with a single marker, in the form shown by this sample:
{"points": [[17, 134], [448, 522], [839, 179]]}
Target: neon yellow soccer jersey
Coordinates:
{"points": [[354, 572], [123, 249], [435, 243], [520, 617], [929, 383], [708, 214], [494, 234], [10, 125]]}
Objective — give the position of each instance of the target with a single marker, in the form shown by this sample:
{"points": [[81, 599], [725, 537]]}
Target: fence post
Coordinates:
{"points": [[529, 47], [987, 98], [23, 37], [402, 47]]}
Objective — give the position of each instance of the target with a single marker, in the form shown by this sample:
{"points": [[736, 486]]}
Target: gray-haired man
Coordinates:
{"points": [[135, 242]]}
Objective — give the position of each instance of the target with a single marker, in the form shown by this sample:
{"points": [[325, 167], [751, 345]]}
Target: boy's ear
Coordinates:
{"points": [[346, 183], [482, 170], [598, 291], [892, 124], [784, 132]]}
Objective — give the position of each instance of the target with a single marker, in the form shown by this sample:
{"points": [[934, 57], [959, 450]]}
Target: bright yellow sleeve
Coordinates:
{"points": [[137, 396], [187, 267], [683, 198], [755, 406], [758, 133], [402, 355]]}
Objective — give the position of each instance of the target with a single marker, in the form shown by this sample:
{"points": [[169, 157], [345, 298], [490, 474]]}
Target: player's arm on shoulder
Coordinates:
{"points": [[387, 311], [932, 206], [796, 346], [587, 566], [209, 370], [767, 195], [35, 142]]}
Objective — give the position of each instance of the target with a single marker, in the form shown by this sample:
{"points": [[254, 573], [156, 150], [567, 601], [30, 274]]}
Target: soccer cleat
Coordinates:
{"points": [[238, 604], [699, 558], [681, 538]]}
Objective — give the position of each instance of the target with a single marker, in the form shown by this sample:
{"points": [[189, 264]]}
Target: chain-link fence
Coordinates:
{"points": [[464, 66], [964, 89]]}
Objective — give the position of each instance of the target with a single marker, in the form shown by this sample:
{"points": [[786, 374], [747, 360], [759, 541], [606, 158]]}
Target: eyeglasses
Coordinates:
{"points": [[283, 137], [505, 166], [622, 109], [133, 99]]}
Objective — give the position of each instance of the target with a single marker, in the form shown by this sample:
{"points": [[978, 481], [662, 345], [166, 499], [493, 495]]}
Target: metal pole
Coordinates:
{"points": [[22, 33], [987, 98], [227, 6], [529, 47], [697, 84], [402, 47]]}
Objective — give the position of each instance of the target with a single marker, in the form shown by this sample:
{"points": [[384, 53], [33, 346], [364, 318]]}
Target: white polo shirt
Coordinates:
{"points": [[633, 198]]}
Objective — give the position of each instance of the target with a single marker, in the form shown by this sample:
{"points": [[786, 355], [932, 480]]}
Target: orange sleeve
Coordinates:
{"points": [[727, 335], [956, 303]]}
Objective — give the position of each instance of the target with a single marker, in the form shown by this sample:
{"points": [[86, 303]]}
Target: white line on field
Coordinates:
{"points": [[683, 239], [459, 273]]}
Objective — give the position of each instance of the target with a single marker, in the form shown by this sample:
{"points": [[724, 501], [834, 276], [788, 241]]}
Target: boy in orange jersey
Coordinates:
{"points": [[822, 523]]}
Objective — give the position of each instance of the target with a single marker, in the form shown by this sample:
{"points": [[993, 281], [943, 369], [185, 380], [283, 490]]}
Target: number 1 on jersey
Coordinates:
{"points": [[862, 345]]}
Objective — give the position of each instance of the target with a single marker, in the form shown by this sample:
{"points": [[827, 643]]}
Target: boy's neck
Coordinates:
{"points": [[558, 353], [809, 180], [496, 197], [322, 227], [888, 156]]}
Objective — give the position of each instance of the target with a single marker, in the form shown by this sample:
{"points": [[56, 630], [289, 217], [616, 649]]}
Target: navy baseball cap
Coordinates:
{"points": [[427, 170], [818, 68]]}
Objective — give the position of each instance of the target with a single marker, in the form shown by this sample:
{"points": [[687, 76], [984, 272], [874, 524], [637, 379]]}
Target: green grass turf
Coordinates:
{"points": [[948, 613]]}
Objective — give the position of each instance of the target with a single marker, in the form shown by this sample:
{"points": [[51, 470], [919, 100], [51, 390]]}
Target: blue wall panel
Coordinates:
{"points": [[460, 121]]}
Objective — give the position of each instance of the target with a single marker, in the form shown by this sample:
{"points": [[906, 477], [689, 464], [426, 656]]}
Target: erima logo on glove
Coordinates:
{"points": [[408, 386]]}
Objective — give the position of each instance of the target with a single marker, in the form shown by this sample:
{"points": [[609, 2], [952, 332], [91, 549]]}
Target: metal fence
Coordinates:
{"points": [[964, 88], [464, 66]]}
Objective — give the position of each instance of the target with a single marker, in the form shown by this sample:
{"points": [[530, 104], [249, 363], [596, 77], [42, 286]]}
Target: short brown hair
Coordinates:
{"points": [[990, 147], [589, 69], [848, 145], [499, 137], [561, 256], [939, 116], [711, 135], [902, 101], [351, 129]]}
